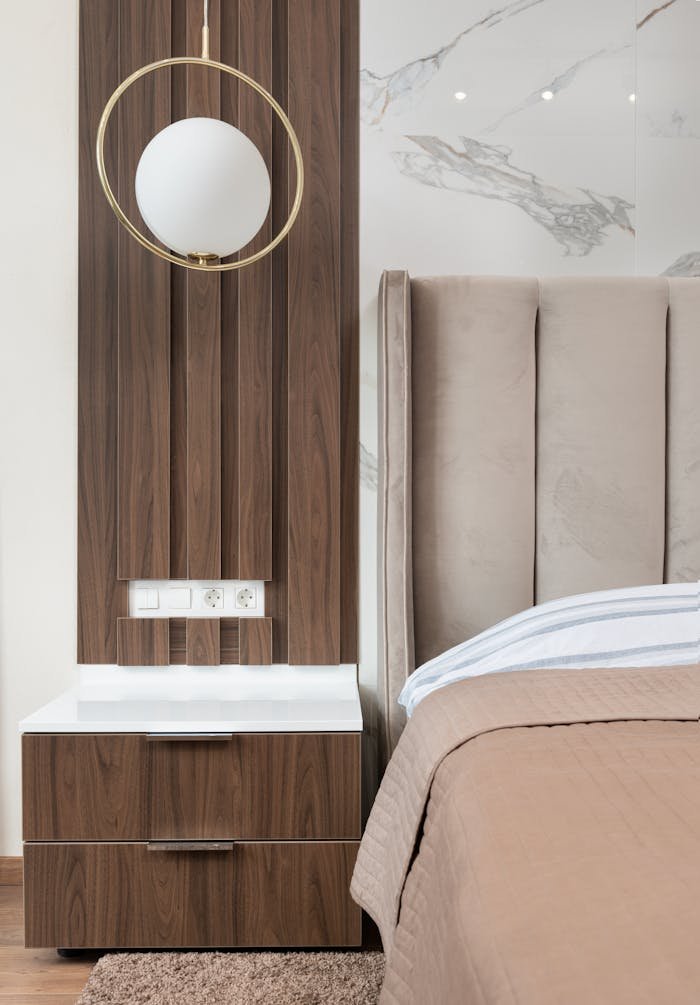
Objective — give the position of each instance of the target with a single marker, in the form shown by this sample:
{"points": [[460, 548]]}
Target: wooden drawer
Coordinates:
{"points": [[130, 787], [129, 895]]}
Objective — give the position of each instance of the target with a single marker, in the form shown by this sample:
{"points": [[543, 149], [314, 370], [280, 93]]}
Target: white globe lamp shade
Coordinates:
{"points": [[203, 188]]}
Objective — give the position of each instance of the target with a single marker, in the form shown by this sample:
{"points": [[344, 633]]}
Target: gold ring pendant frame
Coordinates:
{"points": [[124, 219]]}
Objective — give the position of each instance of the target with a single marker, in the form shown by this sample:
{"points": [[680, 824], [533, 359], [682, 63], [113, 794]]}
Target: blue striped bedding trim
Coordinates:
{"points": [[458, 663]]}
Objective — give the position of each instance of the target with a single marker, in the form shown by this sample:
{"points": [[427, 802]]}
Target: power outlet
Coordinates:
{"points": [[246, 598], [213, 599]]}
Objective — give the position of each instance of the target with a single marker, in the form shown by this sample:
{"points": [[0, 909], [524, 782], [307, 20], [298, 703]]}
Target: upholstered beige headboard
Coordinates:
{"points": [[538, 438]]}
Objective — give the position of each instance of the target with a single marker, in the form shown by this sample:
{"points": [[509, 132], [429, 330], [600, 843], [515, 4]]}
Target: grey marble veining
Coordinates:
{"points": [[674, 125], [685, 265], [576, 219], [399, 89], [369, 469], [655, 12], [558, 84]]}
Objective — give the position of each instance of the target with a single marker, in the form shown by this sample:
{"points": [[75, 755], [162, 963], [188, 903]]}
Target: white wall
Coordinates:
{"points": [[38, 369]]}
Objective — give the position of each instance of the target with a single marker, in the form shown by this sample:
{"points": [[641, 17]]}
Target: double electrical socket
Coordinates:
{"points": [[246, 598]]}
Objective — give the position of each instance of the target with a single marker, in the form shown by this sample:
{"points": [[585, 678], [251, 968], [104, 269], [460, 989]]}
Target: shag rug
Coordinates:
{"points": [[235, 979]]}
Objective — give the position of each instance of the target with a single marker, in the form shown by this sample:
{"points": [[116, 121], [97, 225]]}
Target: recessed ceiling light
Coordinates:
{"points": [[547, 95], [633, 98], [460, 95]]}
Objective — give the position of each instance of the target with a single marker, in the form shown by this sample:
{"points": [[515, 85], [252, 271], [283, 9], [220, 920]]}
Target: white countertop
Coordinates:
{"points": [[208, 700]]}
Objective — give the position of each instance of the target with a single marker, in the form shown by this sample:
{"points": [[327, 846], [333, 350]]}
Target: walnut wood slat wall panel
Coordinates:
{"points": [[143, 642], [101, 598], [178, 640], [203, 642], [277, 591], [203, 427], [230, 496], [255, 317], [144, 313], [314, 350], [218, 415], [230, 651], [349, 329], [203, 348], [255, 641]]}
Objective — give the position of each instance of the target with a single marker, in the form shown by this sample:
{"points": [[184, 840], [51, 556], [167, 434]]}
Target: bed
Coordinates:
{"points": [[536, 837]]}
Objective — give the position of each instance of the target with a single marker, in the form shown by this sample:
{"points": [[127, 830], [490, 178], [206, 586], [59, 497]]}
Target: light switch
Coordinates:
{"points": [[180, 598], [147, 600]]}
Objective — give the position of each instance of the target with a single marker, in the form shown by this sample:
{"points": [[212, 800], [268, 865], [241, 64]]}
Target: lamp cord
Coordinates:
{"points": [[205, 31]]}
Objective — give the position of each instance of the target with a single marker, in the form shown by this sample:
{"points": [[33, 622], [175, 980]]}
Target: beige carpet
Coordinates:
{"points": [[235, 979]]}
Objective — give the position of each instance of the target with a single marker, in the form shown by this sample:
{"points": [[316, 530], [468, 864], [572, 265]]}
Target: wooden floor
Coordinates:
{"points": [[34, 976]]}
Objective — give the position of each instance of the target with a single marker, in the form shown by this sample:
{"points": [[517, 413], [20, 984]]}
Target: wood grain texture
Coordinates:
{"points": [[349, 329], [203, 427], [296, 895], [143, 642], [270, 786], [123, 896], [178, 334], [177, 636], [230, 488], [277, 591], [230, 653], [82, 787], [101, 599], [254, 786], [178, 424], [314, 348], [255, 317], [11, 867], [203, 642], [203, 347], [144, 314], [34, 976], [255, 641]]}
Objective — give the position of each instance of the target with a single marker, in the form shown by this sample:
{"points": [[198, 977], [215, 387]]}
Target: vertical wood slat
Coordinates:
{"points": [[229, 647], [178, 338], [255, 317], [276, 591], [203, 642], [229, 42], [143, 642], [314, 351], [144, 314], [101, 598], [349, 328], [177, 641], [203, 427], [203, 349], [255, 641]]}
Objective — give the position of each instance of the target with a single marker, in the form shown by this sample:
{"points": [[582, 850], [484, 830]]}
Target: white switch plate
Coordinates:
{"points": [[180, 598], [185, 598], [147, 600]]}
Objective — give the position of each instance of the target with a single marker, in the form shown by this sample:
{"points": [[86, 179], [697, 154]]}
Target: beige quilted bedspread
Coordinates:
{"points": [[541, 865]]}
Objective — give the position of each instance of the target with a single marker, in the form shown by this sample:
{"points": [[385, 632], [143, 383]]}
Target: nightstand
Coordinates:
{"points": [[194, 822]]}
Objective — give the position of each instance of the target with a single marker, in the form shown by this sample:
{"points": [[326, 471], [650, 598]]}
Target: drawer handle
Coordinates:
{"points": [[190, 845], [177, 737]]}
